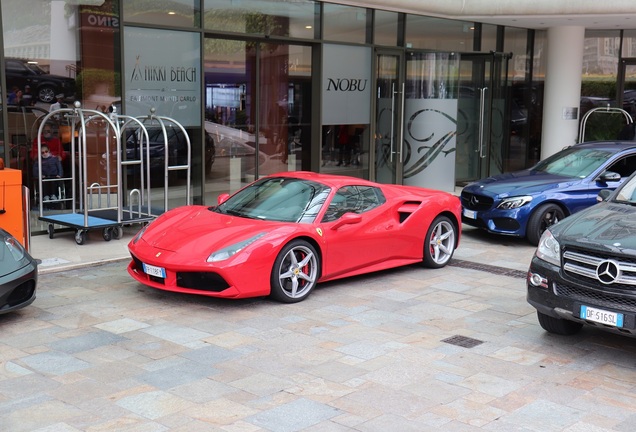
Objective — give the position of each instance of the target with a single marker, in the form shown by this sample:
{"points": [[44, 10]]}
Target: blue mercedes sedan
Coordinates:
{"points": [[525, 203]]}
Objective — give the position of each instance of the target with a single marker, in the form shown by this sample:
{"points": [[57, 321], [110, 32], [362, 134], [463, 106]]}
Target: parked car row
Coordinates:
{"points": [[283, 234], [579, 207]]}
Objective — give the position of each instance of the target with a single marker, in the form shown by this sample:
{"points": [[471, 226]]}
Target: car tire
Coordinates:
{"points": [[439, 243], [295, 272], [543, 217], [558, 325], [46, 94]]}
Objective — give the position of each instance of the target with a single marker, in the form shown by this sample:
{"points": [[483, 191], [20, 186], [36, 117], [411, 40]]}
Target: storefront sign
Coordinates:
{"points": [[162, 71], [346, 85]]}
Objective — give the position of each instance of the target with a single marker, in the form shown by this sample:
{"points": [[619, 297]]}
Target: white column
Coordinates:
{"points": [[63, 39], [562, 92]]}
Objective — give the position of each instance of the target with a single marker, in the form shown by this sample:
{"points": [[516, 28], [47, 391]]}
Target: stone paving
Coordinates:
{"points": [[99, 352]]}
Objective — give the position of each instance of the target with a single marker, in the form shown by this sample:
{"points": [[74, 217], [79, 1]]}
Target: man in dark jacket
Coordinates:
{"points": [[51, 169]]}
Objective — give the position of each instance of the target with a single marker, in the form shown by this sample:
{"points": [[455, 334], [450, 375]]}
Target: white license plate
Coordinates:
{"points": [[470, 214], [155, 271], [601, 316]]}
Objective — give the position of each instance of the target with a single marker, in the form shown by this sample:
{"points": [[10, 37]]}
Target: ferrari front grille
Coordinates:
{"points": [[203, 281]]}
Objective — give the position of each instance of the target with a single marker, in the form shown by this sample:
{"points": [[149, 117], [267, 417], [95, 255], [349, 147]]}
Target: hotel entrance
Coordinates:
{"points": [[481, 116]]}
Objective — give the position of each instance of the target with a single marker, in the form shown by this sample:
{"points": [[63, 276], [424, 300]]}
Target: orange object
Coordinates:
{"points": [[1, 164], [11, 211]]}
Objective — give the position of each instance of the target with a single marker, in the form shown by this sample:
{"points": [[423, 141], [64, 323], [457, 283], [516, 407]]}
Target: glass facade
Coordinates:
{"points": [[385, 28], [600, 85], [264, 86], [297, 19], [345, 23], [439, 34]]}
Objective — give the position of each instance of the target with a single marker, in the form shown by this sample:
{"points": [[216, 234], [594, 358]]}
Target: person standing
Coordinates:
{"points": [[27, 97], [14, 97], [59, 103], [52, 142], [51, 169]]}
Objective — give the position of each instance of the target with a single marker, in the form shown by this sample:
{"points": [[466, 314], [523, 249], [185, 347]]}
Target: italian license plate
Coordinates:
{"points": [[601, 316], [470, 214], [155, 271]]}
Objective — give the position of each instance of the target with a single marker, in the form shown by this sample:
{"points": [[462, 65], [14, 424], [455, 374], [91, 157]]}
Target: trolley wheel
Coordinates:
{"points": [[51, 231], [80, 237], [107, 233], [118, 232]]}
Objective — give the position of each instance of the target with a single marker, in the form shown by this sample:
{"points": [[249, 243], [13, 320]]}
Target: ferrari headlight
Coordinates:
{"points": [[139, 234], [549, 249], [227, 252], [514, 202], [15, 248]]}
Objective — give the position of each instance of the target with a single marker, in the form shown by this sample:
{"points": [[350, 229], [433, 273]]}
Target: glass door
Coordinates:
{"points": [[481, 115], [389, 106], [627, 86]]}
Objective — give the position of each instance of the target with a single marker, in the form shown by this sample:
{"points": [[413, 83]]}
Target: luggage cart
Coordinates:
{"points": [[139, 199], [602, 110], [135, 143], [161, 122], [83, 215]]}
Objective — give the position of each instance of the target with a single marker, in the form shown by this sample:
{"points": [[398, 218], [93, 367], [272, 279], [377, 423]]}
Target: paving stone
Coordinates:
{"points": [[363, 354]]}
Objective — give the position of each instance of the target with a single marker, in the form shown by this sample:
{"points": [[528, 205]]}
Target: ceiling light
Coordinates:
{"points": [[171, 13]]}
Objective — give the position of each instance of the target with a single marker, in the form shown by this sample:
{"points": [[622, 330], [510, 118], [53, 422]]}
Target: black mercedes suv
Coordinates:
{"points": [[44, 86], [584, 269]]}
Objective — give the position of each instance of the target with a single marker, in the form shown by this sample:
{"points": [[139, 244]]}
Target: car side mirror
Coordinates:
{"points": [[347, 219], [603, 195], [610, 176], [222, 198]]}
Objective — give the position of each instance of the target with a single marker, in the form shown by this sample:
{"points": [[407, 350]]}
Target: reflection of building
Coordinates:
{"points": [[601, 56], [265, 71]]}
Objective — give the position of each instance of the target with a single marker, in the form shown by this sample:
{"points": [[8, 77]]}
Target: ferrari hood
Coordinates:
{"points": [[603, 226], [526, 182], [197, 229]]}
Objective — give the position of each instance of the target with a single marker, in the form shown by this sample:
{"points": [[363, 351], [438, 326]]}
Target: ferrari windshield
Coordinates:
{"points": [[574, 162], [281, 199]]}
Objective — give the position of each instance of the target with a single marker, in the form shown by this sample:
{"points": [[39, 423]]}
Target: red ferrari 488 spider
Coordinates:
{"points": [[284, 233]]}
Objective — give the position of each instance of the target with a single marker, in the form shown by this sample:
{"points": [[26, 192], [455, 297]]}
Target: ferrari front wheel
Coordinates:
{"points": [[295, 272], [439, 243]]}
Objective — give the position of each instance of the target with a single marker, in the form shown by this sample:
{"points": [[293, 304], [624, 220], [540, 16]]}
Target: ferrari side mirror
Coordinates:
{"points": [[222, 198], [347, 219]]}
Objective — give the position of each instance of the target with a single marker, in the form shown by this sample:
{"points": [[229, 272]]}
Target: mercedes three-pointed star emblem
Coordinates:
{"points": [[607, 271]]}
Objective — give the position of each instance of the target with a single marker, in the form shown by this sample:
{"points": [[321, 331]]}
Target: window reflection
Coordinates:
{"points": [[385, 28], [65, 52], [182, 13], [344, 23], [257, 112], [297, 18]]}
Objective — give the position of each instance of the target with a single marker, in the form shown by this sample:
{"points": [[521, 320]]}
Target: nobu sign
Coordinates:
{"points": [[346, 84]]}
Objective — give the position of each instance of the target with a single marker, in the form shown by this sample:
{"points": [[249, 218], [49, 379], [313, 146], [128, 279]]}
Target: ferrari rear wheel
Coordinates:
{"points": [[295, 272], [439, 244]]}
